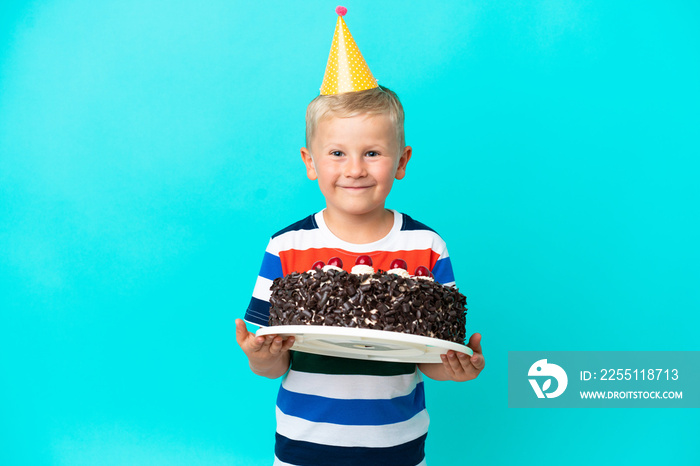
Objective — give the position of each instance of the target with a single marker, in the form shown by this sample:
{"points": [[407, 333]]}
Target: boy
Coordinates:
{"points": [[332, 410]]}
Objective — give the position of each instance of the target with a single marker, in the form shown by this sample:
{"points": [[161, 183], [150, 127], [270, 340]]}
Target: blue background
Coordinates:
{"points": [[149, 148]]}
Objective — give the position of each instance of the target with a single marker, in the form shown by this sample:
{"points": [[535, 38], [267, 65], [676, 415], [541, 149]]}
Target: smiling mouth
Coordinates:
{"points": [[355, 187]]}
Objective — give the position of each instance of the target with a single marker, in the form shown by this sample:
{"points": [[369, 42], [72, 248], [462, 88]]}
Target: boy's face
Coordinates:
{"points": [[355, 161]]}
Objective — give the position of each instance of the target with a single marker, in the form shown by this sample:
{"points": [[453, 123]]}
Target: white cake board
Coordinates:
{"points": [[360, 343]]}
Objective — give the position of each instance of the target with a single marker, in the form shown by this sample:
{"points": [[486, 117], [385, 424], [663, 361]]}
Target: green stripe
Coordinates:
{"points": [[317, 364]]}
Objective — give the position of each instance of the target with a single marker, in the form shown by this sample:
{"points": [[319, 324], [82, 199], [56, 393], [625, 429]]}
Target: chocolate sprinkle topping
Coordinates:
{"points": [[379, 301]]}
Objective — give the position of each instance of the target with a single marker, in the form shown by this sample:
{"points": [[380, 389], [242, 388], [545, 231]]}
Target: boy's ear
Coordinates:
{"points": [[310, 169], [403, 161]]}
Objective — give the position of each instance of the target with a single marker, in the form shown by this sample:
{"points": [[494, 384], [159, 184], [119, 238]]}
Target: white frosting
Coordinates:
{"points": [[419, 277], [400, 272], [362, 269], [326, 268]]}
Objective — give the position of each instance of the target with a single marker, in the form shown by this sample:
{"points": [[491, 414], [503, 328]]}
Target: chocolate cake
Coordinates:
{"points": [[392, 301]]}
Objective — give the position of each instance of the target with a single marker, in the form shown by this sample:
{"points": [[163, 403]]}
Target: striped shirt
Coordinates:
{"points": [[336, 411]]}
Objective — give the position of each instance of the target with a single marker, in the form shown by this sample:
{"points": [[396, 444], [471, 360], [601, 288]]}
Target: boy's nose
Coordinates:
{"points": [[355, 167]]}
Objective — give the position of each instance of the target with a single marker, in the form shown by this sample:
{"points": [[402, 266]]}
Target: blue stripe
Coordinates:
{"points": [[410, 224], [443, 271], [308, 223], [352, 412], [258, 312], [313, 454], [271, 267]]}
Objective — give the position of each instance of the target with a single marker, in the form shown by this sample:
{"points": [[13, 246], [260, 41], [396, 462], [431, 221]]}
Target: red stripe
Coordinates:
{"points": [[297, 260]]}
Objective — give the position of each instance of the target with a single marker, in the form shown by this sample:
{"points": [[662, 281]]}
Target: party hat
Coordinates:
{"points": [[346, 70]]}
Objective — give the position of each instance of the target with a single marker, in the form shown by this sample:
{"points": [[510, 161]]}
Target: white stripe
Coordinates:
{"points": [[297, 239], [278, 462], [262, 288], [282, 463], [338, 435], [349, 387], [322, 237]]}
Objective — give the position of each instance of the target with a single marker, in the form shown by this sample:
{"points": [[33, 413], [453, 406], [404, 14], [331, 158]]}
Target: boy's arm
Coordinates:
{"points": [[269, 355], [455, 366]]}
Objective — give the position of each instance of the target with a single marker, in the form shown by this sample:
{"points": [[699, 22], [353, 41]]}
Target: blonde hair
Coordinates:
{"points": [[379, 100]]}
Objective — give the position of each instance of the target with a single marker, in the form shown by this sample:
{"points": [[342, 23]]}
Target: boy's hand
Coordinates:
{"points": [[456, 366], [459, 366], [267, 355]]}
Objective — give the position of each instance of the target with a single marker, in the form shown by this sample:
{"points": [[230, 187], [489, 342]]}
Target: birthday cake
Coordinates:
{"points": [[392, 301]]}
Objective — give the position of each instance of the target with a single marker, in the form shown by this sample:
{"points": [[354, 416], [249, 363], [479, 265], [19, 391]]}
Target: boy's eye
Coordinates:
{"points": [[337, 153], [372, 153]]}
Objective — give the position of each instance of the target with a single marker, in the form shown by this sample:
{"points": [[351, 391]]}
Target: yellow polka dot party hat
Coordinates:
{"points": [[346, 70]]}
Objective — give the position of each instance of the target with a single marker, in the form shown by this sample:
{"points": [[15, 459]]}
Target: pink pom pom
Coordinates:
{"points": [[341, 10]]}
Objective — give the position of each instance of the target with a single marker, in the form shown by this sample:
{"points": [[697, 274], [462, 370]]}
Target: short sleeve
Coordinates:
{"points": [[442, 270], [258, 312]]}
